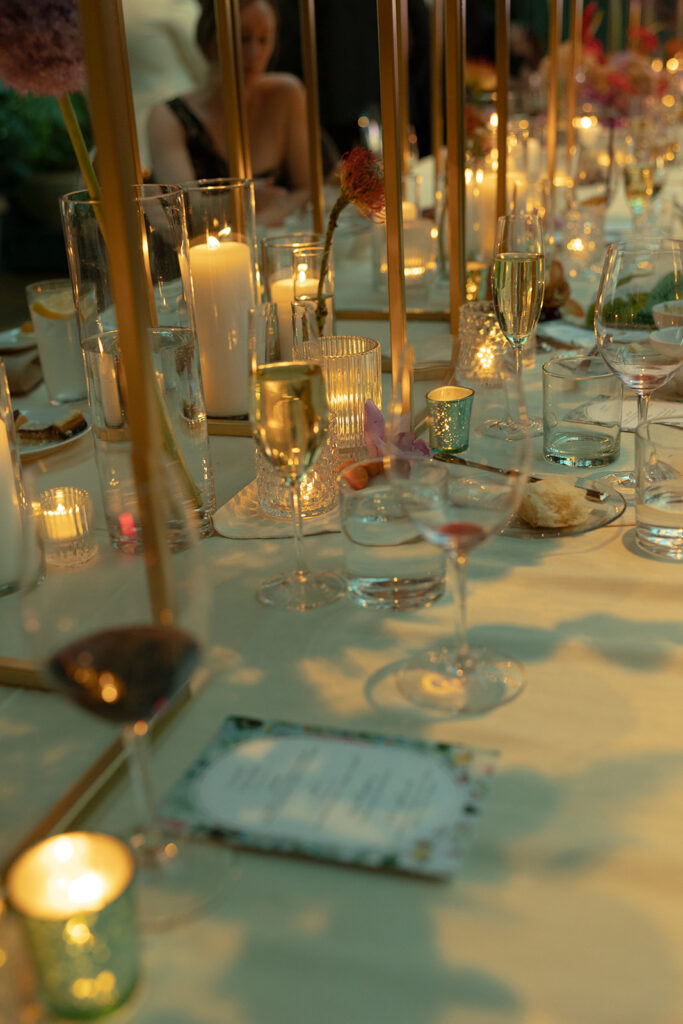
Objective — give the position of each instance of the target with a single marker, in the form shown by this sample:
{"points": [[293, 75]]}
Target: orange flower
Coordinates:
{"points": [[362, 182]]}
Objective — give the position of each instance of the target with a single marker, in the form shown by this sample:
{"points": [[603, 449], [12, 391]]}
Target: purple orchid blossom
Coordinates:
{"points": [[40, 47], [401, 439]]}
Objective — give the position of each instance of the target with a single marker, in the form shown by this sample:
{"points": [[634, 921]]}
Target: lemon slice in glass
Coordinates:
{"points": [[56, 306]]}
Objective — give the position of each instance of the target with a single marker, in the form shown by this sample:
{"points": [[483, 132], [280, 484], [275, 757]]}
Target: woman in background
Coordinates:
{"points": [[187, 134]]}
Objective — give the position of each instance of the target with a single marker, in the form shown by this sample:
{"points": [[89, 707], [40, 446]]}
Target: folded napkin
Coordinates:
{"points": [[242, 518], [23, 370]]}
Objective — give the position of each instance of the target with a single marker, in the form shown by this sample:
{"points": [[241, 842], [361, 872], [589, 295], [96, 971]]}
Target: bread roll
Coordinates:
{"points": [[553, 502]]}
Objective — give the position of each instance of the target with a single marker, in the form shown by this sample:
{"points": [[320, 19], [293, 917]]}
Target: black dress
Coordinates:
{"points": [[207, 162]]}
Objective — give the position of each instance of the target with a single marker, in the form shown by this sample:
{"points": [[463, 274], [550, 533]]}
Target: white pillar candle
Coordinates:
{"points": [[10, 515], [109, 389], [282, 294], [480, 190], [223, 294]]}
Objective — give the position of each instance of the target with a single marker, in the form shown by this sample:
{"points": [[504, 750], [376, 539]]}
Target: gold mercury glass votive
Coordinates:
{"points": [[73, 896]]}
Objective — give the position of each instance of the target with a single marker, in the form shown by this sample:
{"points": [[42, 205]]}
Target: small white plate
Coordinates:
{"points": [[566, 333], [16, 340], [49, 414], [602, 512]]}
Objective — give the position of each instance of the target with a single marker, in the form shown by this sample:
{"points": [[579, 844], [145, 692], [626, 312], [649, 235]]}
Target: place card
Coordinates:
{"points": [[368, 800]]}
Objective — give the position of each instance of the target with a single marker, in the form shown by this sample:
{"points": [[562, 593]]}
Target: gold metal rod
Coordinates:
{"points": [[315, 158], [575, 34], [116, 160], [388, 77], [403, 38], [502, 86], [232, 80], [428, 315], [635, 17], [436, 67], [554, 33], [455, 140]]}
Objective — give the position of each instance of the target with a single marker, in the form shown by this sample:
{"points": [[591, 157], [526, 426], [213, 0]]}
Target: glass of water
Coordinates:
{"points": [[659, 489]]}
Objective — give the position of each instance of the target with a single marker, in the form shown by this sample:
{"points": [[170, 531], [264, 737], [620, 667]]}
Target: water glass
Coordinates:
{"points": [[53, 315], [659, 489], [387, 563], [581, 411]]}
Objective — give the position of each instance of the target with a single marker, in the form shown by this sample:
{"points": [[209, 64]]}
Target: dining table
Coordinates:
{"points": [[566, 908]]}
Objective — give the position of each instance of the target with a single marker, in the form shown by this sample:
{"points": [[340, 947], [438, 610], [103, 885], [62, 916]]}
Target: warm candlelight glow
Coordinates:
{"points": [[69, 874], [66, 513]]}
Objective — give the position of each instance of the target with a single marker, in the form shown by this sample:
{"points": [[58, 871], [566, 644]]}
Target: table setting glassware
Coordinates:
{"points": [[126, 651], [56, 332], [637, 275], [289, 417], [659, 489], [388, 564], [518, 280], [172, 337], [581, 411], [456, 504]]}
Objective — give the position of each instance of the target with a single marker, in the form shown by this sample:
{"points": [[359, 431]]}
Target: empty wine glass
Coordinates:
{"points": [[518, 278], [125, 651], [289, 420], [456, 503], [635, 338]]}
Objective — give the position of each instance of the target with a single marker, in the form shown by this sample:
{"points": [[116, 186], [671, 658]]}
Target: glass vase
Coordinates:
{"points": [[181, 407]]}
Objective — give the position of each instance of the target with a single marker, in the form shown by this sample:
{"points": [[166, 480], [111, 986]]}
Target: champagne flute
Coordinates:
{"points": [[457, 504], [102, 644], [635, 336], [518, 279], [290, 419]]}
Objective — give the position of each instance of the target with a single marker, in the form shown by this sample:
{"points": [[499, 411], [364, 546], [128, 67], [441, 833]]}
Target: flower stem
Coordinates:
{"points": [[78, 142], [321, 309]]}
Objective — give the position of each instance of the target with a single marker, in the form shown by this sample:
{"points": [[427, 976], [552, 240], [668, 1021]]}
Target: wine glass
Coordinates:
{"points": [[289, 420], [518, 279], [635, 338], [125, 652], [457, 502]]}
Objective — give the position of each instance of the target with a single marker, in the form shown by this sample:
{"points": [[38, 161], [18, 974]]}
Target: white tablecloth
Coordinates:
{"points": [[568, 907]]}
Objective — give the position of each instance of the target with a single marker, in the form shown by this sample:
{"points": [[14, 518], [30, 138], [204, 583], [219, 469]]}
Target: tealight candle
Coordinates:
{"points": [[66, 515], [448, 417], [73, 895]]}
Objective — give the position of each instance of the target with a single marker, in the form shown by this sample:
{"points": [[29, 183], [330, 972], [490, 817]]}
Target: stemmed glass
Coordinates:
{"points": [[636, 337], [518, 279], [99, 641], [457, 504], [289, 420]]}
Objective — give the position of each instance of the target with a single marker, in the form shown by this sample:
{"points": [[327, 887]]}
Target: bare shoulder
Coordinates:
{"points": [[280, 84]]}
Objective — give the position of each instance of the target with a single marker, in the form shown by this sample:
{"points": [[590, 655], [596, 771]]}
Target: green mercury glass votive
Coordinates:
{"points": [[448, 416], [73, 896]]}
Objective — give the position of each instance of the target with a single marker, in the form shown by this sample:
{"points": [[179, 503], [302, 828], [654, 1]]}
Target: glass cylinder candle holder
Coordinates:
{"points": [[318, 487], [66, 520], [223, 266], [352, 368], [448, 417], [481, 355], [73, 895], [11, 495], [420, 255], [278, 267], [185, 439]]}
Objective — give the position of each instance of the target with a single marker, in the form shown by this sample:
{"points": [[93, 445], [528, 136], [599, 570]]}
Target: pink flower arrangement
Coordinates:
{"points": [[40, 47], [361, 179], [400, 440], [40, 52]]}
